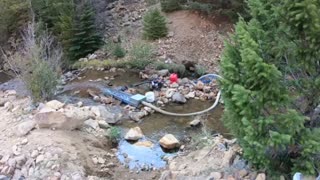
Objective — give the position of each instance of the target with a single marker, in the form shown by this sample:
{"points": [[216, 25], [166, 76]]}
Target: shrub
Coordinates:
{"points": [[37, 64], [154, 25], [180, 69], [170, 5], [200, 70], [202, 7], [140, 55], [118, 51], [114, 133]]}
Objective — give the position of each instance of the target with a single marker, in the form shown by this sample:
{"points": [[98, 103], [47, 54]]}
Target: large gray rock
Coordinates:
{"points": [[178, 98], [92, 124], [111, 115], [57, 120], [137, 116], [163, 72], [25, 127]]}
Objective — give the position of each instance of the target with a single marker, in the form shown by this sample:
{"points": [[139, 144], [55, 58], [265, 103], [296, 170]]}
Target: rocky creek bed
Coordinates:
{"points": [[68, 139]]}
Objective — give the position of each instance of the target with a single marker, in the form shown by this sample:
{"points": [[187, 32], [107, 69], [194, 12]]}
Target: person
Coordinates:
{"points": [[156, 84]]}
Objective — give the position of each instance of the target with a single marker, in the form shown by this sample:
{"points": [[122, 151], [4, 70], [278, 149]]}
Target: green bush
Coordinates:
{"points": [[118, 51], [140, 55], [154, 25], [200, 70], [180, 69], [42, 81], [114, 133], [170, 5], [202, 7]]}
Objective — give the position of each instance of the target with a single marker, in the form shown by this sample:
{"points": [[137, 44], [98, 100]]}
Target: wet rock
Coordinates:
{"points": [[199, 85], [206, 89], [174, 85], [92, 124], [195, 122], [261, 176], [191, 95], [54, 104], [111, 115], [137, 116], [57, 120], [170, 92], [163, 72], [148, 144], [25, 127], [169, 141], [178, 98], [134, 134]]}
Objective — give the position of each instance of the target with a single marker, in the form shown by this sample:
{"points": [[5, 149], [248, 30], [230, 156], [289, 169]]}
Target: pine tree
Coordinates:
{"points": [[271, 61], [154, 25], [86, 38], [170, 5]]}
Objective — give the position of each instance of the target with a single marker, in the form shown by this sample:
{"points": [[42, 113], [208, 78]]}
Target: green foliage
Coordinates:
{"points": [[154, 25], [202, 7], [13, 15], [114, 133], [74, 26], [200, 70], [140, 55], [118, 51], [180, 69], [259, 109], [86, 40], [43, 81], [170, 5]]}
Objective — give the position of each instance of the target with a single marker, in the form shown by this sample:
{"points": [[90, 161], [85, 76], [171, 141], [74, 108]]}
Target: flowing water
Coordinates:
{"points": [[153, 126]]}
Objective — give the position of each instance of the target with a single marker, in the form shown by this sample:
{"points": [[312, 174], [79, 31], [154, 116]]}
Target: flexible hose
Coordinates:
{"points": [[184, 114]]}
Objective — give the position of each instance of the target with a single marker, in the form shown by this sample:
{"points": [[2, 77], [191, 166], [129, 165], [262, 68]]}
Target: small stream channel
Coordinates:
{"points": [[153, 126]]}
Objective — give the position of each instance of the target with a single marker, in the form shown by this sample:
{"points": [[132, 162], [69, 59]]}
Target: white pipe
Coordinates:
{"points": [[186, 114]]}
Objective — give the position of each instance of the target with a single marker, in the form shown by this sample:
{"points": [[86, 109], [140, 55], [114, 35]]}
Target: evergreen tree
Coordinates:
{"points": [[170, 5], [272, 61], [154, 25], [86, 38]]}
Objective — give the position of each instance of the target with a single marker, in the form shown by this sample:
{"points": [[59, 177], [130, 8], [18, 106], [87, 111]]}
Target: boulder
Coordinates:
{"points": [[178, 98], [134, 134], [54, 104], [57, 120], [137, 116], [169, 141], [92, 124], [111, 115], [77, 113], [163, 72], [25, 127]]}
